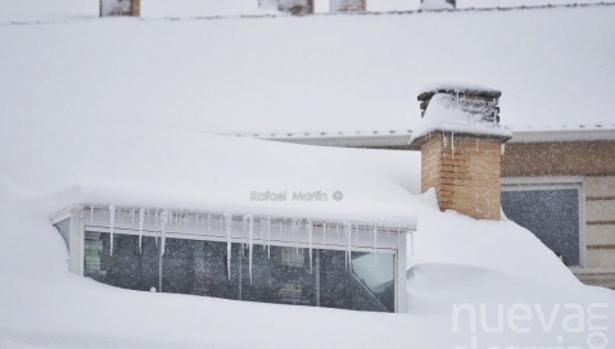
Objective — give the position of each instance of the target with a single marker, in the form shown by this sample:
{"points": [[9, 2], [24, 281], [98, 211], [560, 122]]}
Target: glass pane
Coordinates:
{"points": [[127, 267], [286, 275], [124, 267], [553, 215], [199, 267], [284, 278], [96, 256], [178, 266], [368, 286], [210, 270], [376, 271], [148, 278]]}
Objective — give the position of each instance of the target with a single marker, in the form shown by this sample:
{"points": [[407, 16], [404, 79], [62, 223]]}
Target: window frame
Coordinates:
{"points": [[544, 183], [83, 219]]}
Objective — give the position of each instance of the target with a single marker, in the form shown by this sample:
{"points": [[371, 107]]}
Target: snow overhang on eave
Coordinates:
{"points": [[401, 140], [364, 141], [248, 228], [542, 136]]}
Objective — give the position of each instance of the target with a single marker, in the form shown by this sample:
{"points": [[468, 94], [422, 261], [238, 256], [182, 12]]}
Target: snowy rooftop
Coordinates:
{"points": [[287, 75], [117, 110]]}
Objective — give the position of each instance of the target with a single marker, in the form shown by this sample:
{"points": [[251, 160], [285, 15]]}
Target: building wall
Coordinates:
{"points": [[580, 158], [594, 163]]}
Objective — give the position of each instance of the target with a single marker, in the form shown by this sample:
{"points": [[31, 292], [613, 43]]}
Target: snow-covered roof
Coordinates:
{"points": [[284, 75], [115, 111]]}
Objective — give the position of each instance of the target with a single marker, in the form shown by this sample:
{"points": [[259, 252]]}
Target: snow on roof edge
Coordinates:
{"points": [[324, 14], [400, 138]]}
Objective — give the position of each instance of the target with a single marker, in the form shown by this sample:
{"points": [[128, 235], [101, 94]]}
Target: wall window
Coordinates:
{"points": [[552, 211], [285, 275]]}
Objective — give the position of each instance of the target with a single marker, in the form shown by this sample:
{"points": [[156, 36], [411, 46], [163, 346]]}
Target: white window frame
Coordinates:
{"points": [[554, 183]]}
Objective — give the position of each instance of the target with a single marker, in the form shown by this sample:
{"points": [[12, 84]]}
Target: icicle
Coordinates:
{"points": [[164, 221], [262, 232], [375, 237], [348, 235], [457, 99], [250, 226], [324, 232], [141, 221], [228, 219], [91, 214], [503, 148], [111, 227], [293, 230], [453, 144], [309, 234], [208, 222], [269, 237], [132, 215], [155, 217], [444, 140], [412, 243]]}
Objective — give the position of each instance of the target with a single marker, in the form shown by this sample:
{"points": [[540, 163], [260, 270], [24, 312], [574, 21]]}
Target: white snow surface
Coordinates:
{"points": [[91, 114], [101, 159], [44, 306], [290, 74]]}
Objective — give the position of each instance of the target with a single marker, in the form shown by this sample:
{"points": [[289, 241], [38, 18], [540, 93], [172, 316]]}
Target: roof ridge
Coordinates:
{"points": [[326, 14]]}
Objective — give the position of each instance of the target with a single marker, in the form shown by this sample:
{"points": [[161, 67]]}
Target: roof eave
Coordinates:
{"points": [[401, 141]]}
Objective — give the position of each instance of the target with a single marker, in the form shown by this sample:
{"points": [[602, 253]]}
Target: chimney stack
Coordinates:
{"points": [[461, 142], [438, 4]]}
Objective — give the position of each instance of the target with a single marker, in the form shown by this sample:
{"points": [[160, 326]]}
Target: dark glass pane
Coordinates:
{"points": [[149, 264], [287, 276], [127, 267], [124, 267], [284, 278], [178, 266], [210, 270], [553, 215]]}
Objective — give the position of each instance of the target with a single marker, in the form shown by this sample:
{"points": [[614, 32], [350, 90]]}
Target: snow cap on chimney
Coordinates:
{"points": [[457, 108]]}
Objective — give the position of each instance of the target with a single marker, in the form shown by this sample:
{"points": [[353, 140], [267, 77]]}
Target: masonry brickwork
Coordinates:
{"points": [[465, 170]]}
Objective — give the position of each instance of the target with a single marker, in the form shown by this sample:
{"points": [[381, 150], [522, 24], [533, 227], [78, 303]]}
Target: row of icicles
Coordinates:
{"points": [[164, 218]]}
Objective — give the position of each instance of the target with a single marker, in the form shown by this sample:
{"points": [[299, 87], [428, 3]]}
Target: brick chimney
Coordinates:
{"points": [[438, 4], [461, 142]]}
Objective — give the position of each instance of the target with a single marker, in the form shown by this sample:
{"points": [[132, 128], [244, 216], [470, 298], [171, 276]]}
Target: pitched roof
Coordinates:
{"points": [[314, 75]]}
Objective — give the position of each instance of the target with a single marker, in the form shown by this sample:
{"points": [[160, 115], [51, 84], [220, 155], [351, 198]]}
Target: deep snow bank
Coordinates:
{"points": [[505, 246], [43, 306]]}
